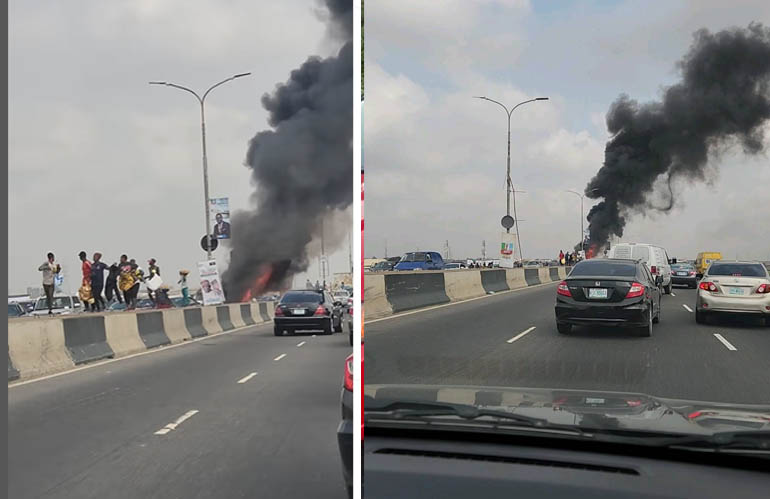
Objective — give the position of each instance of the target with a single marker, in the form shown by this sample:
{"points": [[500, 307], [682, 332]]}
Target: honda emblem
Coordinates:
{"points": [[598, 283]]}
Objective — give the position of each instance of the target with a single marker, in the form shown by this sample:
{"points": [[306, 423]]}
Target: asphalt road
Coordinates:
{"points": [[92, 433], [472, 343]]}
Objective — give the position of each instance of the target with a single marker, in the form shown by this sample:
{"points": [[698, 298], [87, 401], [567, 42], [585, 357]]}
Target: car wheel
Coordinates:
{"points": [[667, 289], [700, 317], [277, 331], [328, 327], [563, 328], [646, 331]]}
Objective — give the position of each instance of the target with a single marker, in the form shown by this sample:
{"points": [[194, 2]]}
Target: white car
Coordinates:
{"points": [[655, 257], [62, 305], [733, 287]]}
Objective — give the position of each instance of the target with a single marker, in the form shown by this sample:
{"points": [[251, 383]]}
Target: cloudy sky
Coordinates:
{"points": [[435, 157], [101, 161]]}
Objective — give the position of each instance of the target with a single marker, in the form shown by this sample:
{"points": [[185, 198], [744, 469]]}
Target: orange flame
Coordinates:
{"points": [[260, 283]]}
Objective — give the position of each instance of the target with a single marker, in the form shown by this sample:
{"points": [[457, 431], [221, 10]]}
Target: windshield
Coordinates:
{"points": [[592, 314], [14, 310], [603, 268], [59, 302], [737, 269], [415, 257], [302, 297]]}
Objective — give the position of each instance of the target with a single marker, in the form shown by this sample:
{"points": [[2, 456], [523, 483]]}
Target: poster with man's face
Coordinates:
{"points": [[219, 209]]}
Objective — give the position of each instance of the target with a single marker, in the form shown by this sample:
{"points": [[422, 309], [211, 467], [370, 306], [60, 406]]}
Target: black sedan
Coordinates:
{"points": [[683, 274], [609, 292], [307, 309]]}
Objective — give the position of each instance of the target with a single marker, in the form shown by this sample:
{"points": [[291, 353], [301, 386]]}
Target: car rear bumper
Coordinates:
{"points": [[579, 314], [706, 302], [689, 280], [301, 322]]}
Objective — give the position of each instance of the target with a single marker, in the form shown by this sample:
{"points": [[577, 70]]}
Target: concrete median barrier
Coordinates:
{"points": [[553, 273], [494, 281], [193, 322], [122, 334], [263, 311], [223, 318], [13, 373], [36, 347], [463, 284], [532, 276], [174, 325], [376, 302], [515, 278], [544, 274], [235, 315], [210, 320], [151, 329], [246, 316], [86, 339], [406, 291]]}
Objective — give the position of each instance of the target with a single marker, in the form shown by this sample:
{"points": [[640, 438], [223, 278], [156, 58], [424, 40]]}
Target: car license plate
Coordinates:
{"points": [[597, 292], [735, 291], [681, 273], [298, 311]]}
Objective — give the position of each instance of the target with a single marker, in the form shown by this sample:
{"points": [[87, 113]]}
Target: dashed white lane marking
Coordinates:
{"points": [[686, 307], [725, 342], [521, 334], [300, 343], [672, 294], [313, 336], [246, 378], [172, 426], [280, 356]]}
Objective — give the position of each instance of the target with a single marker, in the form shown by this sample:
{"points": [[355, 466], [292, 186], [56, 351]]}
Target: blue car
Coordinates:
{"points": [[421, 260]]}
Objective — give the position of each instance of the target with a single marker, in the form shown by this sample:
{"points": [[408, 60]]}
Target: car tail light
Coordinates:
{"points": [[653, 269], [708, 286], [278, 311], [320, 310], [636, 290], [763, 288], [350, 311], [692, 272], [349, 373], [563, 289]]}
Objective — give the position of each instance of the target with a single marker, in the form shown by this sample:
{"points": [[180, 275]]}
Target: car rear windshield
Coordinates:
{"points": [[415, 257], [604, 268], [738, 269], [301, 297], [682, 266]]}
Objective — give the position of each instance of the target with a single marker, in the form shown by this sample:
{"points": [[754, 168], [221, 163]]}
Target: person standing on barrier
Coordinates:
{"points": [[97, 282], [49, 270], [112, 284], [85, 286], [185, 290], [154, 270], [127, 281], [561, 257]]}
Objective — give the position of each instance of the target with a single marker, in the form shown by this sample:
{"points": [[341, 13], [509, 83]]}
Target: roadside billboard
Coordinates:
{"points": [[507, 249], [211, 284], [219, 209]]}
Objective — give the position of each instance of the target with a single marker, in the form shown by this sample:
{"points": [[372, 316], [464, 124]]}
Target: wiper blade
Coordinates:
{"points": [[424, 411]]}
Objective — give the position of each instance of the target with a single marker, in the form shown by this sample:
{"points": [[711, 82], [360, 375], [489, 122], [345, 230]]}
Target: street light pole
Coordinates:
{"points": [[508, 183], [202, 100]]}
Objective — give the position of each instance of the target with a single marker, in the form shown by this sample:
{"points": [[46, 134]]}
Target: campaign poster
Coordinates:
{"points": [[507, 249], [219, 208], [211, 284]]}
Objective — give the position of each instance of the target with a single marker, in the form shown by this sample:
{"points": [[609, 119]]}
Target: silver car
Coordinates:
{"points": [[733, 287]]}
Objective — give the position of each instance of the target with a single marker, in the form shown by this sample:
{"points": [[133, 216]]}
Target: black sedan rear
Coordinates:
{"points": [[305, 310], [683, 274], [608, 292]]}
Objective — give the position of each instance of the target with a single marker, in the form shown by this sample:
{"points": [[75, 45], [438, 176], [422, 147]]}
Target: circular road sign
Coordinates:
{"points": [[213, 243], [507, 222]]}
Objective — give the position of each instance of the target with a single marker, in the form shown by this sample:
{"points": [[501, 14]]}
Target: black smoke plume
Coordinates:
{"points": [[723, 97], [302, 168]]}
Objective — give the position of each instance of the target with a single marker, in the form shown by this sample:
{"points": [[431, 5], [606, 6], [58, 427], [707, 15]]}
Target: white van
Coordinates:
{"points": [[655, 257]]}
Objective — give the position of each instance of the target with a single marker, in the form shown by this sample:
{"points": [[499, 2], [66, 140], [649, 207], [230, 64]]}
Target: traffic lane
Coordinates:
{"points": [[679, 360], [431, 344], [62, 426]]}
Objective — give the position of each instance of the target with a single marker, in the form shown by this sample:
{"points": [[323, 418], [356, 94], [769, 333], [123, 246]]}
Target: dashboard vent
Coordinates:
{"points": [[507, 459]]}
